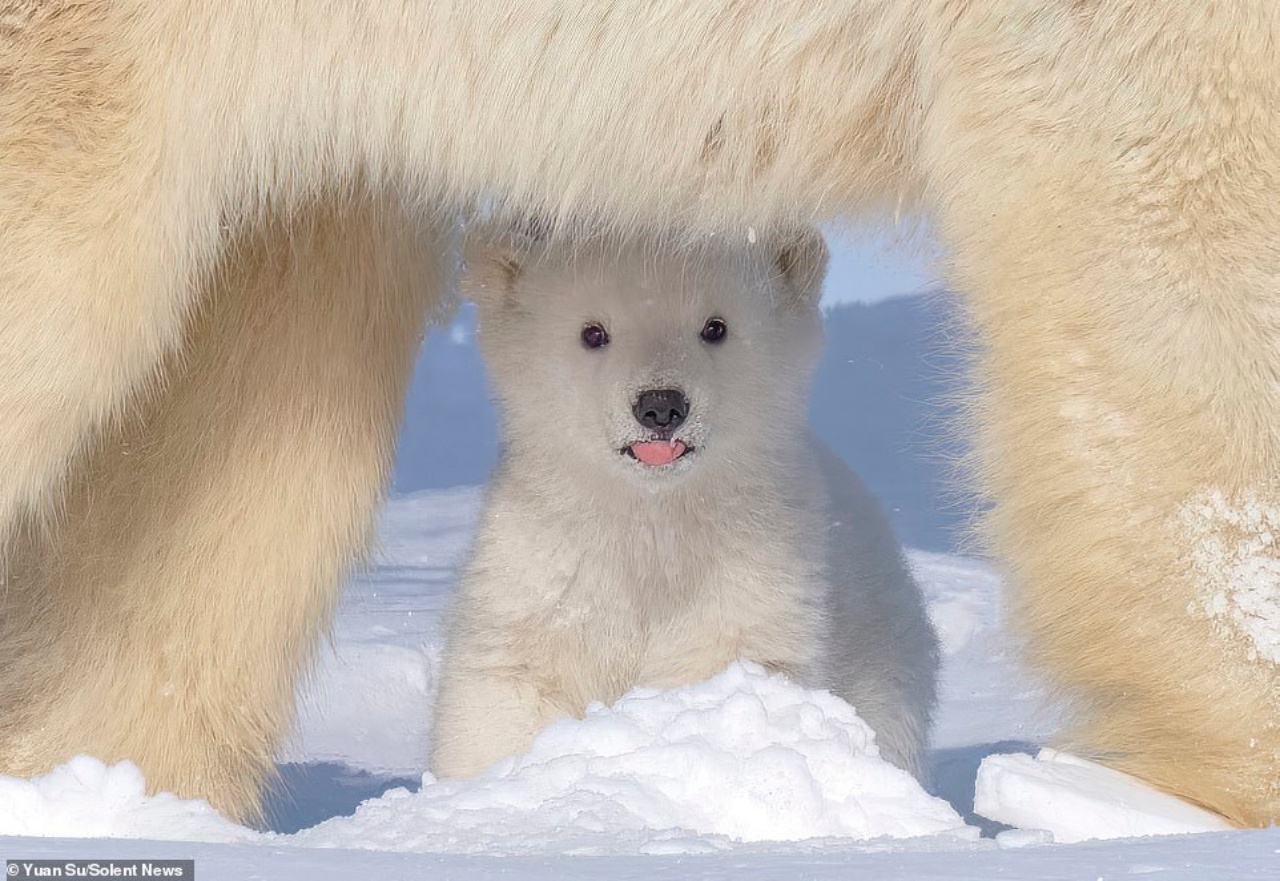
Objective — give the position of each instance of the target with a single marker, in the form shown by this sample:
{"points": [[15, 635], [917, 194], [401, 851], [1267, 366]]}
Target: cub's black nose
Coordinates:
{"points": [[659, 409]]}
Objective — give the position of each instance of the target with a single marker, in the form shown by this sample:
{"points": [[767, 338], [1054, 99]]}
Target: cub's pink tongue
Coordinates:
{"points": [[657, 452]]}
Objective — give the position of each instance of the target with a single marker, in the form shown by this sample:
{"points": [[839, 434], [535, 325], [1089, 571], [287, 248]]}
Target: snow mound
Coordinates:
{"points": [[1079, 800], [742, 757], [87, 799]]}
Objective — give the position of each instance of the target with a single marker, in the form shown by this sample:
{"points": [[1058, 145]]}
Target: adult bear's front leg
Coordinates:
{"points": [[167, 618], [1109, 185]]}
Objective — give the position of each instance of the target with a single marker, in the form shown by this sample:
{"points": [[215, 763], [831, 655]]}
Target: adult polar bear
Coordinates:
{"points": [[219, 221]]}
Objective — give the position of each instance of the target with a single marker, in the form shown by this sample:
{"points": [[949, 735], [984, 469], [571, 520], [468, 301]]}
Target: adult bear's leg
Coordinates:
{"points": [[1109, 183], [167, 617]]}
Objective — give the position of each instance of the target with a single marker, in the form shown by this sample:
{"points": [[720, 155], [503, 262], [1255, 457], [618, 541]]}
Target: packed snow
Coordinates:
{"points": [[86, 799], [744, 768], [1079, 800]]}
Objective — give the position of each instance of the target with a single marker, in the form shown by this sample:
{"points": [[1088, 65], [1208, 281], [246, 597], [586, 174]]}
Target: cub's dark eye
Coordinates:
{"points": [[594, 336], [714, 331]]}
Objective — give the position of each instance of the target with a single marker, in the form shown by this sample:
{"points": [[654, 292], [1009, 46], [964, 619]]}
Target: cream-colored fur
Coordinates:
{"points": [[593, 574], [1105, 175], [199, 545]]}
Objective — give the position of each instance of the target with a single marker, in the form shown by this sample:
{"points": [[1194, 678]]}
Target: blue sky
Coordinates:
{"points": [[867, 266]]}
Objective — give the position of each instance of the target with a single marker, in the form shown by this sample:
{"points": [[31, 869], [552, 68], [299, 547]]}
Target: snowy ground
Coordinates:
{"points": [[742, 776]]}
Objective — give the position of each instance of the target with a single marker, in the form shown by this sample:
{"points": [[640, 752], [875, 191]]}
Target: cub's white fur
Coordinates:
{"points": [[594, 573]]}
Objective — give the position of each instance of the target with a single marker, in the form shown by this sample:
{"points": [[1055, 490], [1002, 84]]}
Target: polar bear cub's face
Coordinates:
{"points": [[649, 362]]}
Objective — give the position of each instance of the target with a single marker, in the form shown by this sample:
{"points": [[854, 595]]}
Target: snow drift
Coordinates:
{"points": [[741, 757]]}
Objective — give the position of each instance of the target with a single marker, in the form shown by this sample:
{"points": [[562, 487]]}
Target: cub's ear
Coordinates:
{"points": [[802, 262], [494, 258], [489, 273]]}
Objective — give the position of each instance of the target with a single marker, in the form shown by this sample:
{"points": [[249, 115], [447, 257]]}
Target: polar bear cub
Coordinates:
{"points": [[661, 508]]}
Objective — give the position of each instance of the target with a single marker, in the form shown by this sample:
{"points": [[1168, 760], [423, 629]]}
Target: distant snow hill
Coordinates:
{"points": [[883, 399]]}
